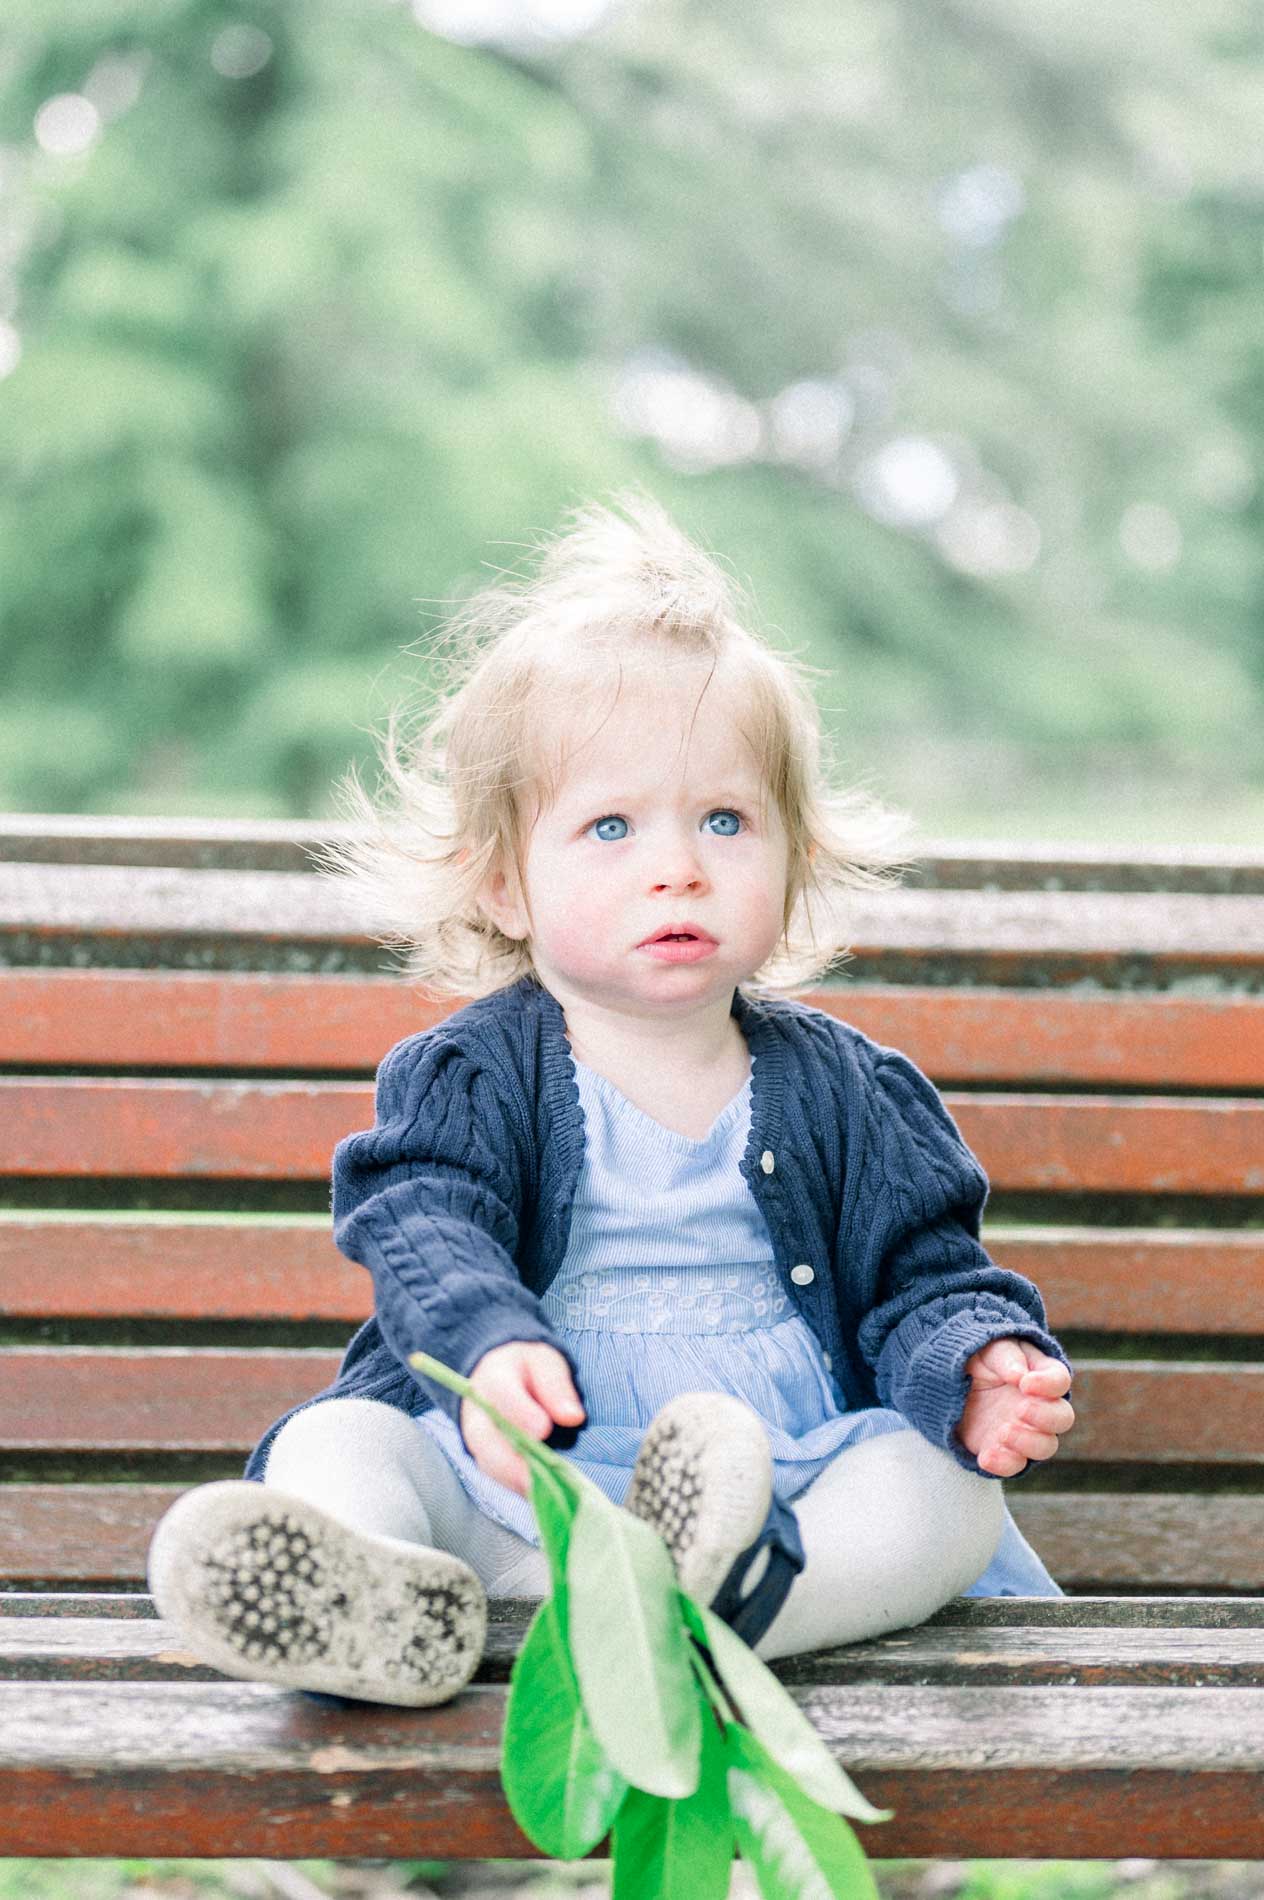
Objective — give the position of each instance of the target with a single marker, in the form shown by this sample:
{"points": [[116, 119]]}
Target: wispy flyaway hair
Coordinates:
{"points": [[522, 669]]}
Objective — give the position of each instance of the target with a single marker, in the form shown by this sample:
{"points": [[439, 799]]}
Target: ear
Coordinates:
{"points": [[506, 910]]}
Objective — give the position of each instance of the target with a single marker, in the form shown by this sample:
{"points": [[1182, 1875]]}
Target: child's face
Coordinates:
{"points": [[657, 822]]}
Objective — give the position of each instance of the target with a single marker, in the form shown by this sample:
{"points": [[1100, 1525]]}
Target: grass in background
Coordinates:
{"points": [[587, 1880]]}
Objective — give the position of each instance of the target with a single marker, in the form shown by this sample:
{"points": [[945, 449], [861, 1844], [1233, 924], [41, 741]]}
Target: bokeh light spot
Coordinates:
{"points": [[908, 484], [809, 421], [697, 423], [67, 125], [989, 538], [472, 22], [115, 82], [240, 51]]}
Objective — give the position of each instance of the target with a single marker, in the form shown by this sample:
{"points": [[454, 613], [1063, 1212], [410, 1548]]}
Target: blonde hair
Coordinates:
{"points": [[620, 590]]}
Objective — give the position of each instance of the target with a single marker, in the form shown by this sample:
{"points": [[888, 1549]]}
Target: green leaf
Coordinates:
{"points": [[554, 1505], [629, 1648], [562, 1790], [678, 1850], [796, 1850], [774, 1716]]}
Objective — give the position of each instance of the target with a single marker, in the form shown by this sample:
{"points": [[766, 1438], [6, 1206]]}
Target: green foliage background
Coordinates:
{"points": [[325, 325]]}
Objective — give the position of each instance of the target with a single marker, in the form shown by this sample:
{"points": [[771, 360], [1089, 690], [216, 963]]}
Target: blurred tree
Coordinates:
{"points": [[938, 323]]}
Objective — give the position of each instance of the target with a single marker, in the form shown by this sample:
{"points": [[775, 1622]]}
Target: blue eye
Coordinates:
{"points": [[728, 815], [612, 818]]}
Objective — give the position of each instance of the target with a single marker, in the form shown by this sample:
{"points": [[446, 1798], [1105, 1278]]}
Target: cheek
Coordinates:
{"points": [[581, 928]]}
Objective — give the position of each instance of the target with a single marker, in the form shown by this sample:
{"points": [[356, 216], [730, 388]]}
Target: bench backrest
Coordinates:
{"points": [[188, 1024]]}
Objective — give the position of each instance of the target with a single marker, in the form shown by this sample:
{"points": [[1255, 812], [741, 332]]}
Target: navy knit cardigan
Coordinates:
{"points": [[458, 1200]]}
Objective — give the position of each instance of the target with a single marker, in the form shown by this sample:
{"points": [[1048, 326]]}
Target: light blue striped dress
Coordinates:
{"points": [[669, 1285]]}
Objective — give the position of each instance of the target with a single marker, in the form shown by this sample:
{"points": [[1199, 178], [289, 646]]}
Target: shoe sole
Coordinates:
{"points": [[703, 1480], [264, 1586]]}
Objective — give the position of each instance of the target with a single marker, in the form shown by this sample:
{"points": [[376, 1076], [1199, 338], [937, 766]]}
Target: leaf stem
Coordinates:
{"points": [[719, 1694], [531, 1448]]}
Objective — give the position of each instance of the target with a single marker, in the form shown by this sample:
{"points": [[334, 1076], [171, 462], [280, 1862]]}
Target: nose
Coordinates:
{"points": [[679, 864]]}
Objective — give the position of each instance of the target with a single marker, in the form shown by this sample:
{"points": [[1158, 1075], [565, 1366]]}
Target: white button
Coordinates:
{"points": [[829, 1363], [766, 1161], [802, 1275]]}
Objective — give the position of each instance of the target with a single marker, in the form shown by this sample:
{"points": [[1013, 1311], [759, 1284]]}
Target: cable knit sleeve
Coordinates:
{"points": [[429, 1200], [933, 1296]]}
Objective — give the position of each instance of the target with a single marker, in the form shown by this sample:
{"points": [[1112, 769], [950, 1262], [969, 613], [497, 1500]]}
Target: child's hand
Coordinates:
{"points": [[531, 1384], [1016, 1409]]}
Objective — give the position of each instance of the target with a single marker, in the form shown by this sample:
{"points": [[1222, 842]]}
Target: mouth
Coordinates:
{"points": [[679, 943], [677, 933]]}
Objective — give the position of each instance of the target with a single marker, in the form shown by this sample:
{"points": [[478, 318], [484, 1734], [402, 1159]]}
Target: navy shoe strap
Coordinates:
{"points": [[750, 1616]]}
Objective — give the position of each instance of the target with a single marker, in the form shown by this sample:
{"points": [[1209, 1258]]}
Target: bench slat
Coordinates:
{"points": [[69, 904], [86, 1398], [79, 1533], [1044, 1036], [288, 844], [184, 1020], [1124, 1280], [77, 1127], [199, 843], [160, 1129], [1139, 1280], [961, 1613], [70, 1649], [151, 1268], [1150, 1540], [181, 1019], [99, 1533], [183, 1769]]}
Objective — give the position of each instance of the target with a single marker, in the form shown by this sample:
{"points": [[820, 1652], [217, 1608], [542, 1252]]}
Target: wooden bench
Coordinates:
{"points": [[187, 1025]]}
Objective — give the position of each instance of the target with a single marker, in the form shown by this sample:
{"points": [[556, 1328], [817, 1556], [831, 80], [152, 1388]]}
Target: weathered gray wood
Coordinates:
{"points": [[260, 844], [514, 1613], [1225, 871], [1168, 1539], [193, 843], [240, 1768], [1021, 1657], [104, 900], [136, 1650], [82, 901], [103, 1605], [1100, 1612]]}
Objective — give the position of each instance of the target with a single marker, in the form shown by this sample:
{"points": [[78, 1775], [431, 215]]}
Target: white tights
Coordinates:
{"points": [[891, 1529]]}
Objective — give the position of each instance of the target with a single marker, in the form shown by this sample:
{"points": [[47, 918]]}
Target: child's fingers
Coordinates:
{"points": [[492, 1453], [1002, 1359], [548, 1376], [1029, 1443], [1047, 1381], [1048, 1415], [502, 1377], [1000, 1461]]}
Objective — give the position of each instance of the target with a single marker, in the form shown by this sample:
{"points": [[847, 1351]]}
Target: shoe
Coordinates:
{"points": [[264, 1586], [751, 1614], [703, 1479]]}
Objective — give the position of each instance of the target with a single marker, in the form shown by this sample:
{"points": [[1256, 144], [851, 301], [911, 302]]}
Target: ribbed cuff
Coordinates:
{"points": [[931, 1385]]}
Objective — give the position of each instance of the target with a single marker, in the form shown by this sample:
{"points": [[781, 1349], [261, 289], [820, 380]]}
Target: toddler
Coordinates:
{"points": [[714, 1244]]}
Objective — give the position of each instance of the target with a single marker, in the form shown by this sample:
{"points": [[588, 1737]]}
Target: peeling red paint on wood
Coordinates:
{"points": [[190, 1020], [209, 1769], [170, 1269], [287, 1131], [1123, 1280], [85, 1399]]}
